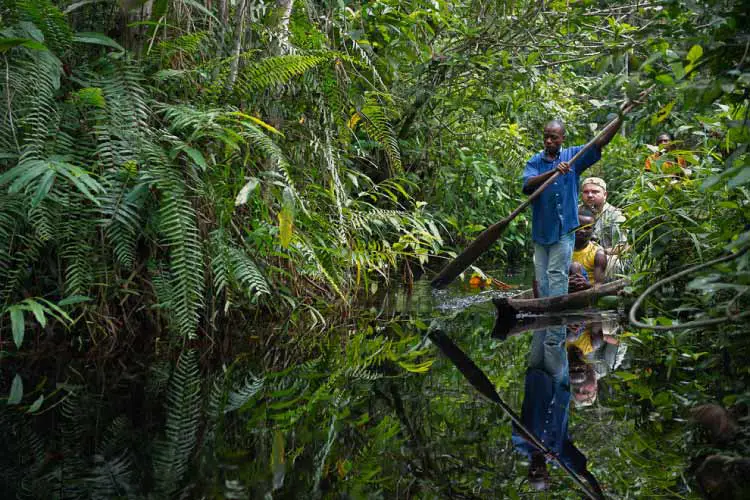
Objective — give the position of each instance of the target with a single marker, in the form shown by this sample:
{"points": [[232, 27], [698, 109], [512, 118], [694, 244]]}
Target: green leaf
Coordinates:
{"points": [[662, 114], [8, 43], [36, 404], [201, 8], [38, 311], [73, 299], [16, 391], [626, 376], [665, 79], [244, 193], [97, 39], [278, 461], [17, 325], [197, 157], [742, 177], [696, 51], [77, 5], [286, 225], [43, 188]]}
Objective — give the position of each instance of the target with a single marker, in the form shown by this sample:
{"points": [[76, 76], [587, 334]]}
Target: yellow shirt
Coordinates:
{"points": [[586, 257], [583, 342]]}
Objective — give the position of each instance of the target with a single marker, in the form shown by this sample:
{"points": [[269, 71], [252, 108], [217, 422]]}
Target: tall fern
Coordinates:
{"points": [[177, 224], [172, 453]]}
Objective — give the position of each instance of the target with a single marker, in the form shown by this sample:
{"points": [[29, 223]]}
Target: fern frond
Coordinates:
{"points": [[112, 477], [180, 52], [115, 438], [50, 20], [76, 253], [177, 223], [275, 71], [121, 214], [246, 273], [376, 122], [172, 453], [312, 257], [241, 394], [34, 105], [219, 263], [259, 139]]}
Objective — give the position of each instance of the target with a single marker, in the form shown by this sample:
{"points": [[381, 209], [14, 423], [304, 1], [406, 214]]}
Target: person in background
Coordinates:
{"points": [[654, 162], [608, 230], [589, 260], [555, 213]]}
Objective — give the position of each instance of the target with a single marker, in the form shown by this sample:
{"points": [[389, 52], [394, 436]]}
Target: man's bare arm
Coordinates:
{"points": [[600, 266], [563, 167], [604, 140]]}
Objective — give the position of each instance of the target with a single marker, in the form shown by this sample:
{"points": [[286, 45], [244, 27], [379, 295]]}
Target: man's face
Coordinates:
{"points": [[664, 142], [594, 196], [583, 234], [553, 139]]}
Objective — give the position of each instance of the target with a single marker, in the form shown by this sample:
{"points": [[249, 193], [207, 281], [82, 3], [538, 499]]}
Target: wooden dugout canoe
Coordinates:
{"points": [[510, 306]]}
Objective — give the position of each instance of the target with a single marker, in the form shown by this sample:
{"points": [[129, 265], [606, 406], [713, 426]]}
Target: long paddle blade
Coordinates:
{"points": [[479, 380], [469, 255], [492, 233], [465, 365]]}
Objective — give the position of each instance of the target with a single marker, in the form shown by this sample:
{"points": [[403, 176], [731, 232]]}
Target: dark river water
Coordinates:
{"points": [[367, 407]]}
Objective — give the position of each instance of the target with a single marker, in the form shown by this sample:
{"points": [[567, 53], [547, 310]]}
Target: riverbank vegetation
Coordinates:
{"points": [[200, 200]]}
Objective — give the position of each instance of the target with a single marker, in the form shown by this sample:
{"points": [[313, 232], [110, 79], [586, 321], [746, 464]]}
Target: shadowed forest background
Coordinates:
{"points": [[205, 203]]}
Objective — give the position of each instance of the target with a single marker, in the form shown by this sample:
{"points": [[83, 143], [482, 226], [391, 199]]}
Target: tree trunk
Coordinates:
{"points": [[239, 29], [223, 19], [283, 12]]}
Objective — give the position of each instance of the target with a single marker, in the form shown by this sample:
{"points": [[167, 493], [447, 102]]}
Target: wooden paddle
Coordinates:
{"points": [[492, 233], [479, 380]]}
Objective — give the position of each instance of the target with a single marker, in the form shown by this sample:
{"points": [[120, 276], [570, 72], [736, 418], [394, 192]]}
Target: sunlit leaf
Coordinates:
{"points": [[695, 53], [662, 114], [286, 224], [244, 193]]}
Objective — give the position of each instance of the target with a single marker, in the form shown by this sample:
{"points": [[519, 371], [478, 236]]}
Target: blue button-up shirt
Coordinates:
{"points": [[555, 212], [545, 414]]}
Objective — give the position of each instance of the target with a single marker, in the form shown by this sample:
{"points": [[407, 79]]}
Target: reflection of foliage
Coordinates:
{"points": [[193, 183]]}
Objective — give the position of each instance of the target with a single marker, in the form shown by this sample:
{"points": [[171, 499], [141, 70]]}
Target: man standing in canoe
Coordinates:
{"points": [[555, 212]]}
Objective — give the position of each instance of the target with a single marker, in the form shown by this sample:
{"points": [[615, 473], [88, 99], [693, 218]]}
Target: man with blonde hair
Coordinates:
{"points": [[607, 228]]}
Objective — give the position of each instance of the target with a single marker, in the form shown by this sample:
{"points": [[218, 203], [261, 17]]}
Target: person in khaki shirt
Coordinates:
{"points": [[607, 228]]}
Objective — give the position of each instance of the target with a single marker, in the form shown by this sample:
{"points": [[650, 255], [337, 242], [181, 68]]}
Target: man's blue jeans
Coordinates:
{"points": [[551, 263], [548, 353]]}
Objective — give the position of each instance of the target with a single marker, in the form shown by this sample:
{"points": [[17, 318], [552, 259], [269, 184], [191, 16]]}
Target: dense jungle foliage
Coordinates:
{"points": [[202, 202]]}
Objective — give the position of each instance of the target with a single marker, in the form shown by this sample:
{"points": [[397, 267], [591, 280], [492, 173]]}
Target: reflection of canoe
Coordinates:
{"points": [[578, 300]]}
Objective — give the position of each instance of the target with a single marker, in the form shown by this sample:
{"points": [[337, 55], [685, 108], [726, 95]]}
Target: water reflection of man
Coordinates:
{"points": [[588, 346], [545, 409]]}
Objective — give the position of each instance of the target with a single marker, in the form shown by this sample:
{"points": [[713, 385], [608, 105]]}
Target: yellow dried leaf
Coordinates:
{"points": [[286, 224]]}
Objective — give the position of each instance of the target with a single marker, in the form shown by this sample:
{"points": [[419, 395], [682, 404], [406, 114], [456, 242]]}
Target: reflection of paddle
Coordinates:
{"points": [[492, 233], [479, 380]]}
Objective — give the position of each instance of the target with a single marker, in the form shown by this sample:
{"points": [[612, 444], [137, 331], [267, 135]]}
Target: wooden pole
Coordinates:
{"points": [[492, 233], [479, 380]]}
